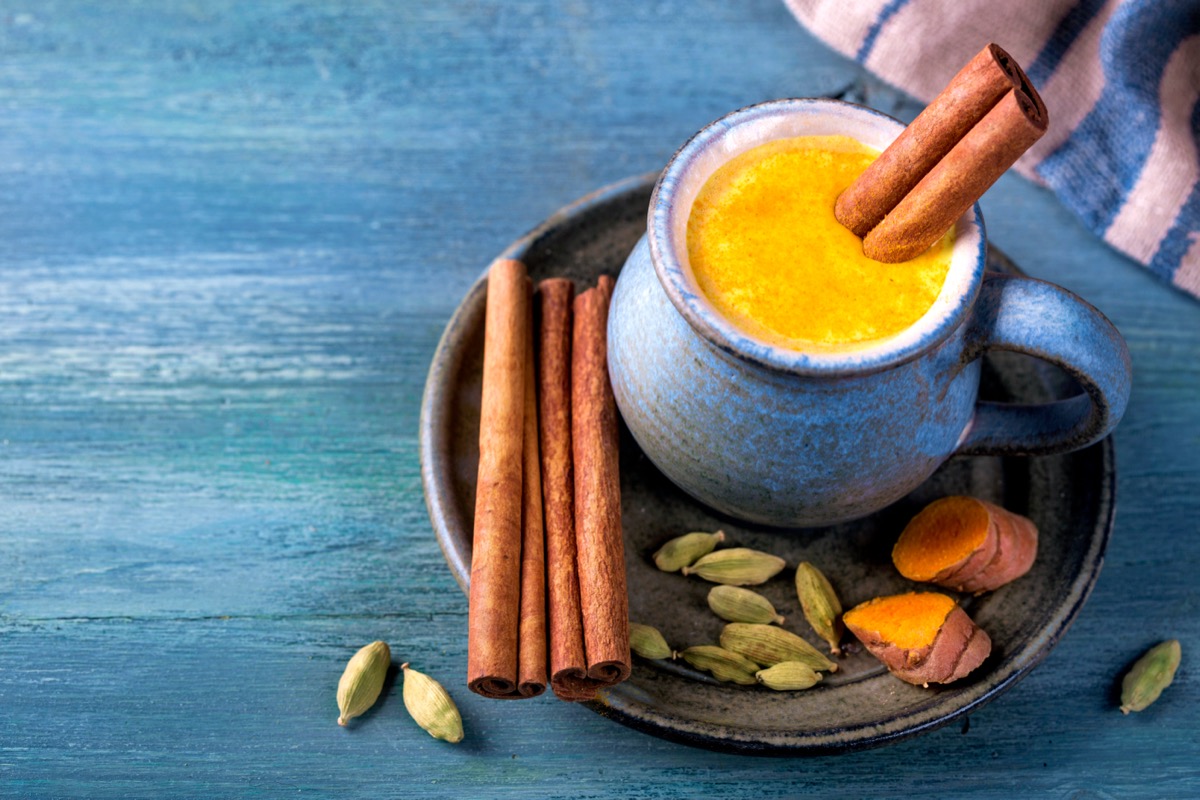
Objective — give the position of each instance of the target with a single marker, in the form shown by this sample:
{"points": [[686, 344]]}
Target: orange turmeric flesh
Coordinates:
{"points": [[942, 535], [908, 621]]}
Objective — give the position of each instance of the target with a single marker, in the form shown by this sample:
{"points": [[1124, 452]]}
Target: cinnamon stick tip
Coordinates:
{"points": [[999, 53], [890, 253], [1027, 95], [509, 266], [1034, 109], [531, 688], [492, 687], [850, 215], [609, 672]]}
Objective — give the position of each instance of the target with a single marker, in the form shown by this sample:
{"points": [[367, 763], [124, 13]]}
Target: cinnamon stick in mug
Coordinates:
{"points": [[568, 664], [531, 661], [974, 130], [494, 609], [958, 180], [599, 541]]}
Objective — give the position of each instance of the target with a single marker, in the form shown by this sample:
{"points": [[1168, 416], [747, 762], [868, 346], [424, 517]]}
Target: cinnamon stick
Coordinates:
{"points": [[532, 629], [598, 536], [494, 610], [963, 141], [568, 665], [958, 180]]}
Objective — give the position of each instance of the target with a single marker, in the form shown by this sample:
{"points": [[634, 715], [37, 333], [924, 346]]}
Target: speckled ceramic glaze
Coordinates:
{"points": [[789, 438]]}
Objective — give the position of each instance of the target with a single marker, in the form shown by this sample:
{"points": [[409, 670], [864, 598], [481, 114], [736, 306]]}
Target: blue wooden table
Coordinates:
{"points": [[232, 234]]}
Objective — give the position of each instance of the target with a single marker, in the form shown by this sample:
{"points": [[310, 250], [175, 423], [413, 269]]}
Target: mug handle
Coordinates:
{"points": [[1040, 319]]}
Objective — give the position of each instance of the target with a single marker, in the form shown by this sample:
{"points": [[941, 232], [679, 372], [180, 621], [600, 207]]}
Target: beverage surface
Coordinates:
{"points": [[766, 251]]}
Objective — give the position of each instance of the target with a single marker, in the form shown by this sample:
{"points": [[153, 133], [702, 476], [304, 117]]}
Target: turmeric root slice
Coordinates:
{"points": [[921, 637], [966, 544]]}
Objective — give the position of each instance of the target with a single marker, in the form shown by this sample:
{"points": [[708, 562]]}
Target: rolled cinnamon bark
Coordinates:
{"points": [[928, 138], [599, 541], [958, 180], [568, 664], [955, 149], [532, 638], [494, 610]]}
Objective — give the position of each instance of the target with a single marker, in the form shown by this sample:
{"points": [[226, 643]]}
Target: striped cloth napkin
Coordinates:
{"points": [[1121, 79]]}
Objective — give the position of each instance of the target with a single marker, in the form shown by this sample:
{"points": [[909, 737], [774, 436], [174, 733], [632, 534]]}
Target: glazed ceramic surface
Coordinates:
{"points": [[789, 438], [1069, 496]]}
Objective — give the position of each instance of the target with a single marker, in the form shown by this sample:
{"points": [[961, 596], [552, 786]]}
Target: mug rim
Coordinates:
{"points": [[949, 310]]}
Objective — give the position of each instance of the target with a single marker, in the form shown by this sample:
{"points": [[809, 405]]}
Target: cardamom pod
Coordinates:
{"points": [[737, 566], [724, 665], [682, 551], [431, 706], [735, 604], [647, 642], [362, 680], [769, 645], [821, 606], [1152, 673], [788, 676]]}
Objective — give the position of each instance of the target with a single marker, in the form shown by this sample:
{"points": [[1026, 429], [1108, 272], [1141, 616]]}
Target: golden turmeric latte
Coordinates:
{"points": [[766, 250]]}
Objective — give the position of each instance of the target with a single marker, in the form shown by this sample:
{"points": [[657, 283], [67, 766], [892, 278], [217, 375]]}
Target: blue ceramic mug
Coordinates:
{"points": [[791, 438]]}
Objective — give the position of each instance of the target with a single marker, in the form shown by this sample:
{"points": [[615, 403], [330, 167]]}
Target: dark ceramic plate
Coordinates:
{"points": [[1070, 498]]}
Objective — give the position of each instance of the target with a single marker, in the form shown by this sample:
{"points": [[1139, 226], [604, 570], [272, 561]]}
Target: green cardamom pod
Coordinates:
{"points": [[769, 645], [1152, 673], [821, 606], [647, 642], [735, 604], [431, 706], [724, 665], [362, 680], [788, 676], [682, 551], [737, 566]]}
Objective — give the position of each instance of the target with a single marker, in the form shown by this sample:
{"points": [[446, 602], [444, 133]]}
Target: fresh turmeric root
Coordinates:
{"points": [[966, 544], [921, 637]]}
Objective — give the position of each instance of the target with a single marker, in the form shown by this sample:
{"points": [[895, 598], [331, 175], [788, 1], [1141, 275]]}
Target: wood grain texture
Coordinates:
{"points": [[232, 235]]}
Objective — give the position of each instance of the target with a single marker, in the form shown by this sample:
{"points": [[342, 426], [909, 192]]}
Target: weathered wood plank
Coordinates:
{"points": [[233, 233]]}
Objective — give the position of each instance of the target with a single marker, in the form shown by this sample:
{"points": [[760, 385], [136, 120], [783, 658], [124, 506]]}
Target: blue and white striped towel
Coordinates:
{"points": [[1121, 79]]}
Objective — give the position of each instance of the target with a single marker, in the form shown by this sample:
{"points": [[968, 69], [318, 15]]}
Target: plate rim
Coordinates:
{"points": [[440, 506]]}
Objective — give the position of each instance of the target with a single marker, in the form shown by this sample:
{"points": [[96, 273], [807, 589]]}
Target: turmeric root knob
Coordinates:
{"points": [[966, 544], [921, 637]]}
